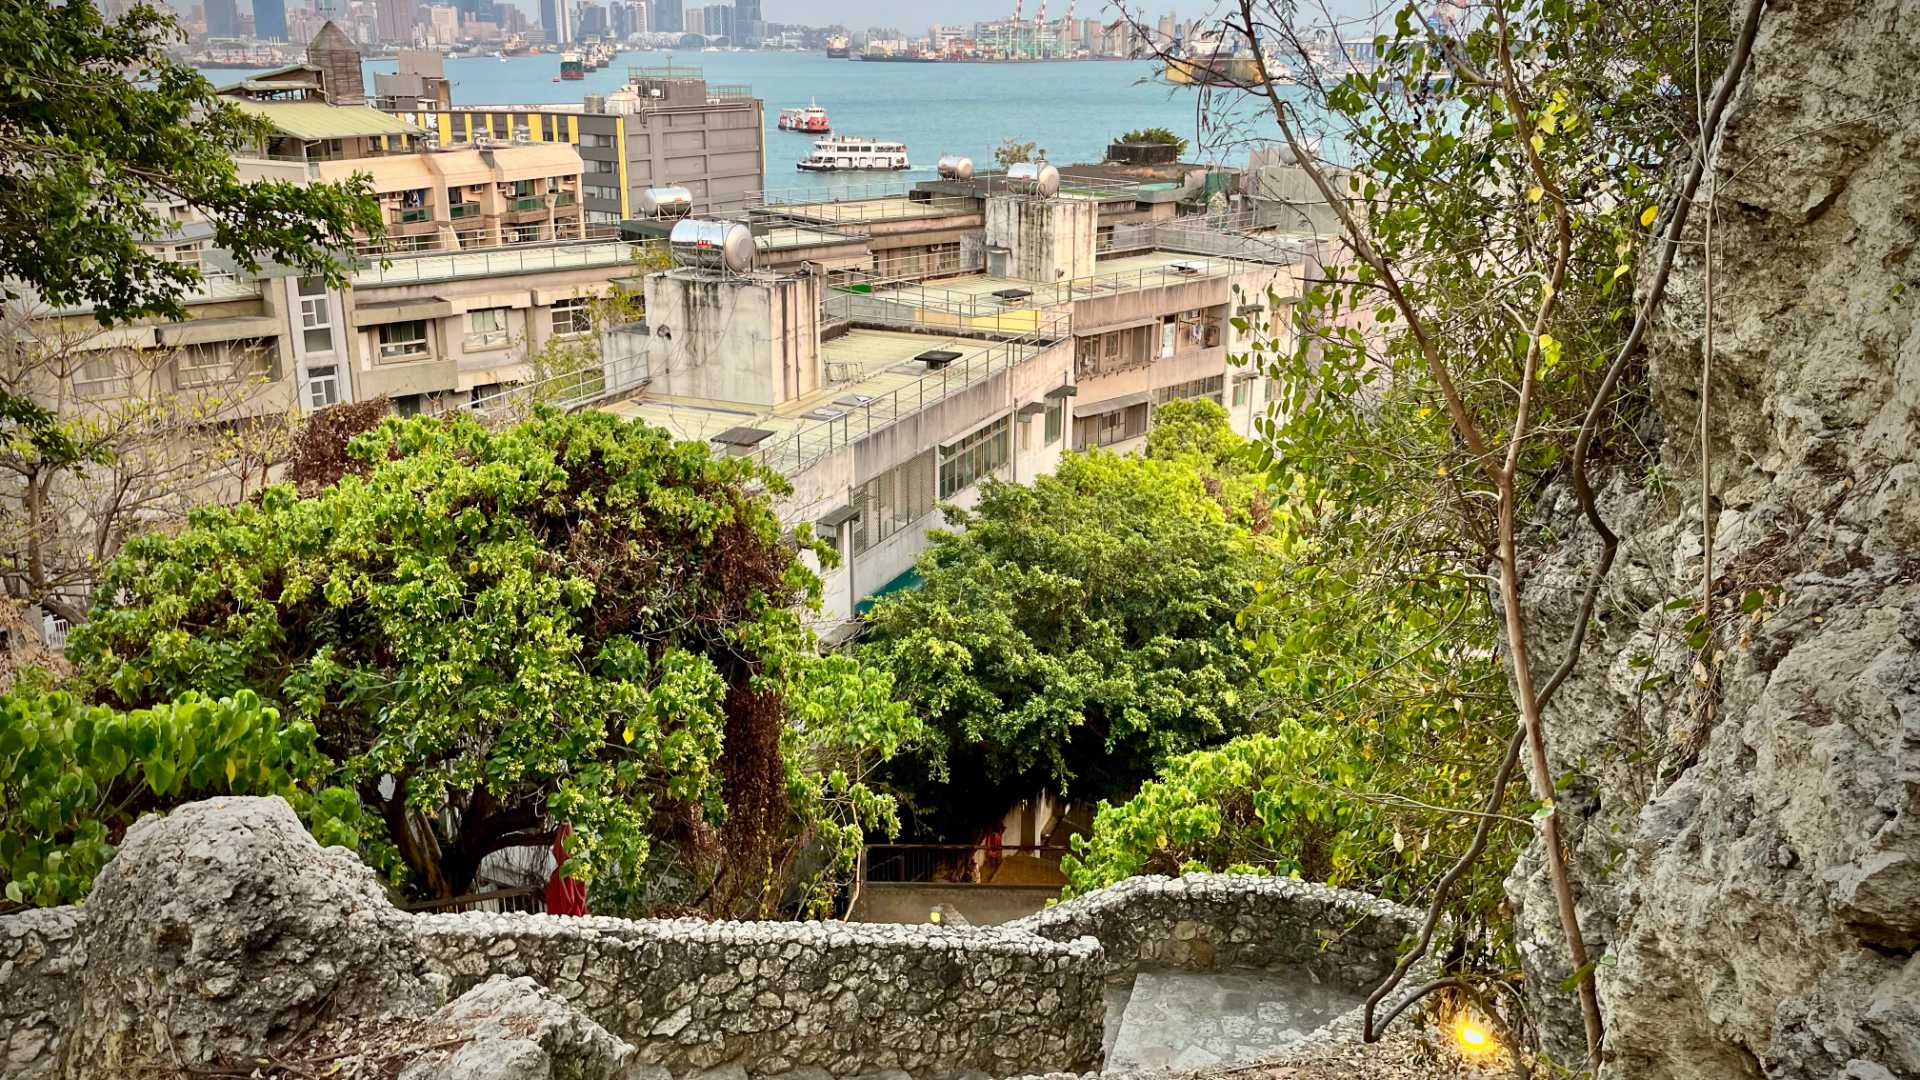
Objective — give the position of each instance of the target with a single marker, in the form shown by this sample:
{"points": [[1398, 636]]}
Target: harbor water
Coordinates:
{"points": [[1072, 109]]}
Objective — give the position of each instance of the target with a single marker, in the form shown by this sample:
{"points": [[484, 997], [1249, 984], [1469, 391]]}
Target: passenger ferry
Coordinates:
{"points": [[854, 152], [812, 120]]}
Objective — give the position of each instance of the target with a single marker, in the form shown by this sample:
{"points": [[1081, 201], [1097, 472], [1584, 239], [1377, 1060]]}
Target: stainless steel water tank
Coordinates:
{"points": [[720, 245], [955, 167], [666, 202], [1034, 178]]}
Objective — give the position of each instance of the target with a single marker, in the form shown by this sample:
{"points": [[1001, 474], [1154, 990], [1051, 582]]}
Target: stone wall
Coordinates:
{"points": [[40, 952], [222, 930], [1207, 922], [775, 997]]}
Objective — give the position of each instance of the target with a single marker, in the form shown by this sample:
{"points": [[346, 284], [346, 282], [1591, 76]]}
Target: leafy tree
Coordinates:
{"points": [[1079, 631], [1156, 135], [74, 776], [100, 132], [1013, 152], [573, 620]]}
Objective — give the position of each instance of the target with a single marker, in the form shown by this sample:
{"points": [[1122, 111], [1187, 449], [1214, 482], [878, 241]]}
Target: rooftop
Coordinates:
{"points": [[493, 262], [313, 120], [973, 295], [873, 380], [855, 211]]}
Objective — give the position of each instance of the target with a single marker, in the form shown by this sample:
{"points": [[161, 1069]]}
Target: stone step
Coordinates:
{"points": [[1182, 1020]]}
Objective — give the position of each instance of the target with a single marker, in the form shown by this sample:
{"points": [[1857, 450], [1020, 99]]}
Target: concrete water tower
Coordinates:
{"points": [[1036, 235], [722, 330]]}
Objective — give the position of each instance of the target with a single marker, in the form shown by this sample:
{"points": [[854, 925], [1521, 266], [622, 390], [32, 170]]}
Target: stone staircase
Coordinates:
{"points": [[1174, 1020]]}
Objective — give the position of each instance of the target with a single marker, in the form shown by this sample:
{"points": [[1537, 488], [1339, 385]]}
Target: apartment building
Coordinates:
{"points": [[667, 127], [484, 194], [1151, 302], [874, 416]]}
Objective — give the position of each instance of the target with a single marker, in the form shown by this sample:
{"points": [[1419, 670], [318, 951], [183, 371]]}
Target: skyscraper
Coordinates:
{"points": [[747, 27], [666, 17], [223, 18], [270, 20], [556, 18], [395, 19]]}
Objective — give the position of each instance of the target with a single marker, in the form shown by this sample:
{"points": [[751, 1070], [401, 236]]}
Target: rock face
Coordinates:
{"points": [[516, 1029], [222, 929], [1747, 834]]}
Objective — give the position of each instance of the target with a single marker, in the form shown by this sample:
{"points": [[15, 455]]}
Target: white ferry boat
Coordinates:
{"points": [[854, 152]]}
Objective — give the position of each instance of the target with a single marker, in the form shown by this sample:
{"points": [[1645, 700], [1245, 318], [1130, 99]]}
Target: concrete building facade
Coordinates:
{"points": [[667, 127]]}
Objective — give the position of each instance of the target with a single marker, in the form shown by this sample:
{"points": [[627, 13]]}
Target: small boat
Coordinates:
{"points": [[812, 120], [854, 152]]}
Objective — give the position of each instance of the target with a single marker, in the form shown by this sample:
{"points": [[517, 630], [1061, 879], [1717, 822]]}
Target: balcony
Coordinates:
{"points": [[565, 198], [463, 210], [528, 202], [414, 214]]}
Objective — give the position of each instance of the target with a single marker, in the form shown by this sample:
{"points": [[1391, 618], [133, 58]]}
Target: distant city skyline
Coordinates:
{"points": [[913, 17]]}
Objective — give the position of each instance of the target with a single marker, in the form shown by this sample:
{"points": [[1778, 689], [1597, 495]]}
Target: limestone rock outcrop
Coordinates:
{"points": [[222, 929], [1746, 827], [516, 1029]]}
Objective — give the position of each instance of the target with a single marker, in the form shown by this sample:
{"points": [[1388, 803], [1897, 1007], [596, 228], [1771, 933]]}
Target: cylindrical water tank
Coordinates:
{"points": [[955, 167], [1034, 178], [720, 245], [666, 202]]}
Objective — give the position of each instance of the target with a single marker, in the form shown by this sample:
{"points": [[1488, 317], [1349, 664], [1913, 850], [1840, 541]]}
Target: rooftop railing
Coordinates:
{"points": [[665, 71], [495, 261], [978, 363]]}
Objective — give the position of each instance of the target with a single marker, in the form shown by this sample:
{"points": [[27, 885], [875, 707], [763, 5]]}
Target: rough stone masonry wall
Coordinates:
{"points": [[776, 997], [40, 952], [1753, 871], [1217, 921]]}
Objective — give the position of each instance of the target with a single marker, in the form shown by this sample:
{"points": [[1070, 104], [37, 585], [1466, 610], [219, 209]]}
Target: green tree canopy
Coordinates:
{"points": [[574, 620], [1155, 135], [100, 132], [1080, 630]]}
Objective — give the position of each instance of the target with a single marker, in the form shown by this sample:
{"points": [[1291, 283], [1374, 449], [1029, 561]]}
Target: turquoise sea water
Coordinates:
{"points": [[1071, 108]]}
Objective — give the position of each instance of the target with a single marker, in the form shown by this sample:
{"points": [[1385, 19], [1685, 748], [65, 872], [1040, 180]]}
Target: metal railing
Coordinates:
{"points": [[1236, 236], [729, 91], [620, 371], [496, 261], [809, 444], [668, 71], [844, 213], [968, 305], [956, 864], [528, 202], [418, 213]]}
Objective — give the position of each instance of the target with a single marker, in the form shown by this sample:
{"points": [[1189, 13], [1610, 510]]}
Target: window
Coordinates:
{"points": [[316, 316], [602, 167], [1209, 387], [403, 340], [599, 191], [1240, 391], [1273, 388], [223, 362], [1109, 428], [102, 376], [571, 317], [1056, 419], [323, 387], [892, 501], [976, 456], [486, 328], [592, 138]]}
